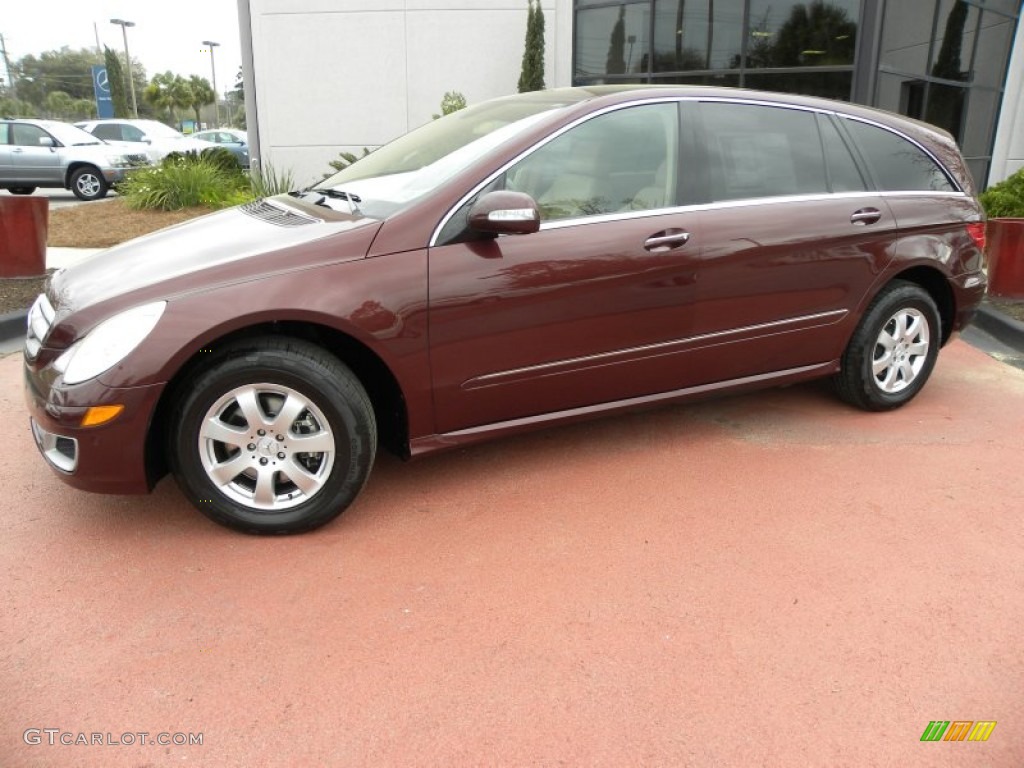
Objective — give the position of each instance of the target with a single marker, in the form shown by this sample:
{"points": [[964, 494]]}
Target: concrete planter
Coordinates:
{"points": [[1005, 247], [23, 225]]}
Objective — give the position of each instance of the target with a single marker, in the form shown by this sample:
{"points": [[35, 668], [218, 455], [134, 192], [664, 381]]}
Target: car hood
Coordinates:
{"points": [[256, 240]]}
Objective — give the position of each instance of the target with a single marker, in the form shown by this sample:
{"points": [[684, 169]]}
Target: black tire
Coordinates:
{"points": [[908, 366], [22, 190], [87, 183], [275, 370]]}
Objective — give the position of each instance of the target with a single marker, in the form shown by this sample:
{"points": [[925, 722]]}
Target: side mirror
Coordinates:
{"points": [[47, 141], [505, 213]]}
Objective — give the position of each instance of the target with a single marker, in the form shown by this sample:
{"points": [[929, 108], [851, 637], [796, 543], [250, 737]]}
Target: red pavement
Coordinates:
{"points": [[773, 579]]}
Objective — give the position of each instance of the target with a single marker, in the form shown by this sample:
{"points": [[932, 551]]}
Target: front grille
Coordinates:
{"points": [[273, 214], [137, 160], [40, 318]]}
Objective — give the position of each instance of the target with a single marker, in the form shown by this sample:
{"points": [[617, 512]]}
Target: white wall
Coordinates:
{"points": [[1008, 152], [339, 75]]}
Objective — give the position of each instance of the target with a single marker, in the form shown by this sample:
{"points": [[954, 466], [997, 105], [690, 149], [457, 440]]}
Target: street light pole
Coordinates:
{"points": [[131, 78], [213, 71]]}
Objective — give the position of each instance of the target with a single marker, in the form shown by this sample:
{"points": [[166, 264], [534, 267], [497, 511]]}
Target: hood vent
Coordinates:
{"points": [[273, 214]]}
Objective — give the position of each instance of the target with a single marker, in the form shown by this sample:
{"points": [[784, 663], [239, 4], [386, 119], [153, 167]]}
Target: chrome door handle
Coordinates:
{"points": [[666, 240], [865, 216]]}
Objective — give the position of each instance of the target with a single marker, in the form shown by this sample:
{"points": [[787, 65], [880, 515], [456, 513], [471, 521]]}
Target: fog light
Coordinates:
{"points": [[101, 414]]}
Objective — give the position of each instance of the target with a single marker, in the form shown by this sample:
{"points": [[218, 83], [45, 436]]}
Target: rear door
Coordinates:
{"points": [[791, 240]]}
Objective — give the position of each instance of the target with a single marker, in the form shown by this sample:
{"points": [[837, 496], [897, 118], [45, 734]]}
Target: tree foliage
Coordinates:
{"points": [[453, 101], [65, 70], [615, 64], [118, 83], [532, 76], [168, 92], [201, 94], [815, 33]]}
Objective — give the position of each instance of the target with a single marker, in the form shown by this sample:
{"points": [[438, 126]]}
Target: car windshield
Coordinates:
{"points": [[388, 179], [69, 135]]}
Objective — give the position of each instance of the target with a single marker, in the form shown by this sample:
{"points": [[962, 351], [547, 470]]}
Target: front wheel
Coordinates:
{"points": [[87, 183], [22, 190], [893, 351], [277, 436]]}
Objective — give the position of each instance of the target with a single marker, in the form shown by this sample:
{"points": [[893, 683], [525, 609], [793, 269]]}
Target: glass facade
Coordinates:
{"points": [[943, 61]]}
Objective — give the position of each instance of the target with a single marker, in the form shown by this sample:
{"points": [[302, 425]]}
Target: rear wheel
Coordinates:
{"points": [[22, 190], [88, 183], [893, 351], [277, 436]]}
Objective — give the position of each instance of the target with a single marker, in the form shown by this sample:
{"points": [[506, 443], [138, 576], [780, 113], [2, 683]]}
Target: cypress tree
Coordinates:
{"points": [[615, 64], [115, 78], [532, 76]]}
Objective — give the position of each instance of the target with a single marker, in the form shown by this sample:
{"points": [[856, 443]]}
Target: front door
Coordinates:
{"points": [[583, 311], [33, 162]]}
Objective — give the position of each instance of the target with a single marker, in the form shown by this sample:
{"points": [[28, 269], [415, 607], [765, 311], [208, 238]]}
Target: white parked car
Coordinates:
{"points": [[161, 140]]}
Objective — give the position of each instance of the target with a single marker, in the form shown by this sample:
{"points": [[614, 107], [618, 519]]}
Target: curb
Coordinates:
{"points": [[1003, 327], [12, 325]]}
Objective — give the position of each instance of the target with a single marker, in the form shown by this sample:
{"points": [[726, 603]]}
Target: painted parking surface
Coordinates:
{"points": [[772, 579]]}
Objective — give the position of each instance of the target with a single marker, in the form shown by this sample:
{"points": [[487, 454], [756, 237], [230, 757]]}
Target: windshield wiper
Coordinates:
{"points": [[339, 194]]}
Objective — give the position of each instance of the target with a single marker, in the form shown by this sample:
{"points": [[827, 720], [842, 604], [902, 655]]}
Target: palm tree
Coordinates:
{"points": [[201, 94], [168, 91]]}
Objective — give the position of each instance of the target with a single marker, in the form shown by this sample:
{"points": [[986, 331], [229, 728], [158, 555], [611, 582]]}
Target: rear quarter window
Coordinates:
{"points": [[897, 164]]}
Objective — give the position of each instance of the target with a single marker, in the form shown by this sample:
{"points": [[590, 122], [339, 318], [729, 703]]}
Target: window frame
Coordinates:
{"points": [[869, 173], [475, 190]]}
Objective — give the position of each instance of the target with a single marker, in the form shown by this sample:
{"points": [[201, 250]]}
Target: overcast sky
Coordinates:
{"points": [[168, 34]]}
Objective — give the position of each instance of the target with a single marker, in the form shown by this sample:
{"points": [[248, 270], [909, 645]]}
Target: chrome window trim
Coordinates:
{"points": [[480, 381], [741, 203], [956, 192]]}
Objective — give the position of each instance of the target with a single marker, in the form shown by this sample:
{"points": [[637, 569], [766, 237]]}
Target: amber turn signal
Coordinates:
{"points": [[101, 414]]}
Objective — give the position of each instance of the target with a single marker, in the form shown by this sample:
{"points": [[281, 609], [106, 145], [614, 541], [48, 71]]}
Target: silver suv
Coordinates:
{"points": [[48, 153]]}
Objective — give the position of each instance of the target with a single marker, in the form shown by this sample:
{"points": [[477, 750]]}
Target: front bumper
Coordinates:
{"points": [[109, 458]]}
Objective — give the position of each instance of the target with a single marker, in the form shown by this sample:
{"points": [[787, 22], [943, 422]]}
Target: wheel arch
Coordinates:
{"points": [[380, 383], [74, 166], [936, 285]]}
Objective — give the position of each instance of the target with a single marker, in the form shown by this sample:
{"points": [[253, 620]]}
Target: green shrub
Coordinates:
{"points": [[268, 181], [1005, 200], [222, 158], [344, 160], [185, 181], [453, 101]]}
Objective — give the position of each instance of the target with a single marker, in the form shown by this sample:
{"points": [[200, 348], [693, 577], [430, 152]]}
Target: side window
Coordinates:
{"points": [[624, 160], [842, 169], [111, 131], [25, 135], [897, 164], [756, 151], [5, 132], [131, 133]]}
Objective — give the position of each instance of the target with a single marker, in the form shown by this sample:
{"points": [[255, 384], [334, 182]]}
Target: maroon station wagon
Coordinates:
{"points": [[531, 260]]}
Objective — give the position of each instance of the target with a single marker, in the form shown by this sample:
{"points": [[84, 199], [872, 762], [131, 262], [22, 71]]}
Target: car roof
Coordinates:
{"points": [[623, 93]]}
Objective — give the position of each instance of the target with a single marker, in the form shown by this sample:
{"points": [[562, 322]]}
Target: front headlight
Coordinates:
{"points": [[108, 343], [119, 161]]}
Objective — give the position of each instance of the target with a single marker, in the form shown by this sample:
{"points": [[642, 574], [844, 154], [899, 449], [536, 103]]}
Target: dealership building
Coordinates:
{"points": [[330, 76]]}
